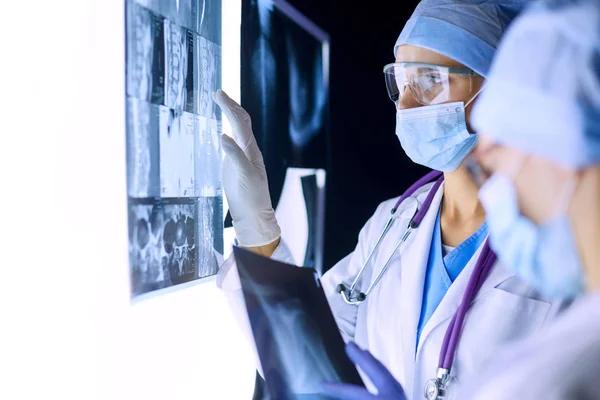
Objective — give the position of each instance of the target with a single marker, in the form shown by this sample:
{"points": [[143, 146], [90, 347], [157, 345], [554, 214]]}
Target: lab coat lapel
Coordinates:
{"points": [[498, 274], [453, 297], [414, 266]]}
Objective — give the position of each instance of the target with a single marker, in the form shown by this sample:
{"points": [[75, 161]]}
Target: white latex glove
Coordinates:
{"points": [[245, 179]]}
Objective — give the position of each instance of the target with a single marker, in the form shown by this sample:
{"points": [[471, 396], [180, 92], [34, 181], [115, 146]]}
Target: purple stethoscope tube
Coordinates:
{"points": [[435, 388], [348, 294]]}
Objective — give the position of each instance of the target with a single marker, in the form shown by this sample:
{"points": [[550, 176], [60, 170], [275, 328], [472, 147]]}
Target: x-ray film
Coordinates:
{"points": [[145, 55], [143, 127], [173, 142], [297, 339], [207, 153], [140, 48], [185, 13], [176, 44], [177, 154], [209, 20], [285, 87], [192, 73], [209, 75], [171, 242], [200, 16]]}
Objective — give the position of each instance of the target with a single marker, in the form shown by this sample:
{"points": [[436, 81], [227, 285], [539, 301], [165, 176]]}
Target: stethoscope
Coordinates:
{"points": [[435, 389], [348, 294]]}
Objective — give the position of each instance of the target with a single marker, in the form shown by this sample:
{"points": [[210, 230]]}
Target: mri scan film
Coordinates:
{"points": [[173, 64]]}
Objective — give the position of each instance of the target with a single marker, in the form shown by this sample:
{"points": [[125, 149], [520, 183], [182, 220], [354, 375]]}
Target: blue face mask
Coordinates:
{"points": [[436, 136], [543, 255]]}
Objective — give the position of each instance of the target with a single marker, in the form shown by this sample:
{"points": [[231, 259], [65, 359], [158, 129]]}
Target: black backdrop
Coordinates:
{"points": [[368, 164]]}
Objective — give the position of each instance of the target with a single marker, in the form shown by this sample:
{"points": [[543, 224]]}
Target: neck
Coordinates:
{"points": [[585, 219], [462, 213], [460, 199]]}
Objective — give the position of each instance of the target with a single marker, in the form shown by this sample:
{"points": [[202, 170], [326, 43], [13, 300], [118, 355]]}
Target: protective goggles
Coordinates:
{"points": [[429, 83]]}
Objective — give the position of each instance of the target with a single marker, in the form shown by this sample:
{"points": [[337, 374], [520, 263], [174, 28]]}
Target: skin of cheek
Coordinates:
{"points": [[484, 144], [407, 101], [497, 158], [540, 184]]}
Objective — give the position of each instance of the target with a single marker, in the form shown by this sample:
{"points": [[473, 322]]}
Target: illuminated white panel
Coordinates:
{"points": [[72, 331]]}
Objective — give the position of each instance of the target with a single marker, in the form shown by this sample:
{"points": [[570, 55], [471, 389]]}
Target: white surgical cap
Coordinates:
{"points": [[543, 91], [467, 31]]}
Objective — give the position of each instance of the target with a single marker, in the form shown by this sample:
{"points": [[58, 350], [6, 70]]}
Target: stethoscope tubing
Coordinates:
{"points": [[413, 224], [484, 264]]}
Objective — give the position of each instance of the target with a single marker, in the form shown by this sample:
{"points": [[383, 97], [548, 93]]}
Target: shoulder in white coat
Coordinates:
{"points": [[562, 361]]}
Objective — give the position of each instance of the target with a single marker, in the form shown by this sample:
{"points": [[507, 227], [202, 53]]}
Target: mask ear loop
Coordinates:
{"points": [[475, 95]]}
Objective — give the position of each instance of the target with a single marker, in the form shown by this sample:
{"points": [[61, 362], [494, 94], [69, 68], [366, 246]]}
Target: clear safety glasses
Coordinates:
{"points": [[430, 84]]}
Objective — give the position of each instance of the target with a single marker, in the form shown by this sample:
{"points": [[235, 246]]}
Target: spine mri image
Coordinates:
{"points": [[173, 64]]}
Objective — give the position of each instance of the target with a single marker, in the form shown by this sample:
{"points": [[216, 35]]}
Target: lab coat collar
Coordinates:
{"points": [[414, 267], [454, 295]]}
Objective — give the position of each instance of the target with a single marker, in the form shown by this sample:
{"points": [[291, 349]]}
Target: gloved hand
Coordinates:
{"points": [[388, 388], [245, 179]]}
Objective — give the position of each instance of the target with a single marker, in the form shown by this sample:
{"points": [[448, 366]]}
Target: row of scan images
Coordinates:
{"points": [[170, 153], [173, 241], [171, 65], [200, 16]]}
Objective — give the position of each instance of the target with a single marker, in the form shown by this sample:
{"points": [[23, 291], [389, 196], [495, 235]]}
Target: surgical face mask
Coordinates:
{"points": [[436, 136], [545, 255]]}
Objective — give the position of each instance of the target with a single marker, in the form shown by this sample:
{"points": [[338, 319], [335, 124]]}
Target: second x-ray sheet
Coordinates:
{"points": [[297, 339], [284, 86], [173, 144]]}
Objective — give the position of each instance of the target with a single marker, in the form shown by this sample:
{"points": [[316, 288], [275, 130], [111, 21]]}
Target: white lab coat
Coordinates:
{"points": [[386, 323], [561, 362]]}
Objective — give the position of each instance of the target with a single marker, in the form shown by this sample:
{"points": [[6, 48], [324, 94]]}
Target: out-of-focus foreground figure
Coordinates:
{"points": [[540, 158]]}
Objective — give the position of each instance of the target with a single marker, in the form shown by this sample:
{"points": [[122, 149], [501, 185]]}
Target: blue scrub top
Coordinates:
{"points": [[443, 270]]}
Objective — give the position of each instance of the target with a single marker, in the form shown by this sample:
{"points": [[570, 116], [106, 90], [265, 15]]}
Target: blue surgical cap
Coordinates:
{"points": [[543, 91], [467, 31]]}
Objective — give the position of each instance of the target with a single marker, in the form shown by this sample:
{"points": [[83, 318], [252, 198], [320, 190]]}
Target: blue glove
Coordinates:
{"points": [[388, 388]]}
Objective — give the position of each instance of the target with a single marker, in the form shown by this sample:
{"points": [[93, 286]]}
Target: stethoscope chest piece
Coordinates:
{"points": [[349, 294], [434, 390]]}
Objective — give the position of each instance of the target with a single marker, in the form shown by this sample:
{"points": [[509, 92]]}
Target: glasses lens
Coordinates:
{"points": [[429, 84], [391, 83]]}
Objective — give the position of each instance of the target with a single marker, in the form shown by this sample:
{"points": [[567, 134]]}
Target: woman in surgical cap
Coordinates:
{"points": [[540, 159], [538, 165], [408, 317]]}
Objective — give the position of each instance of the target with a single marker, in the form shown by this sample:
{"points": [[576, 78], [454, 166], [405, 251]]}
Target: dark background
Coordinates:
{"points": [[368, 164]]}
